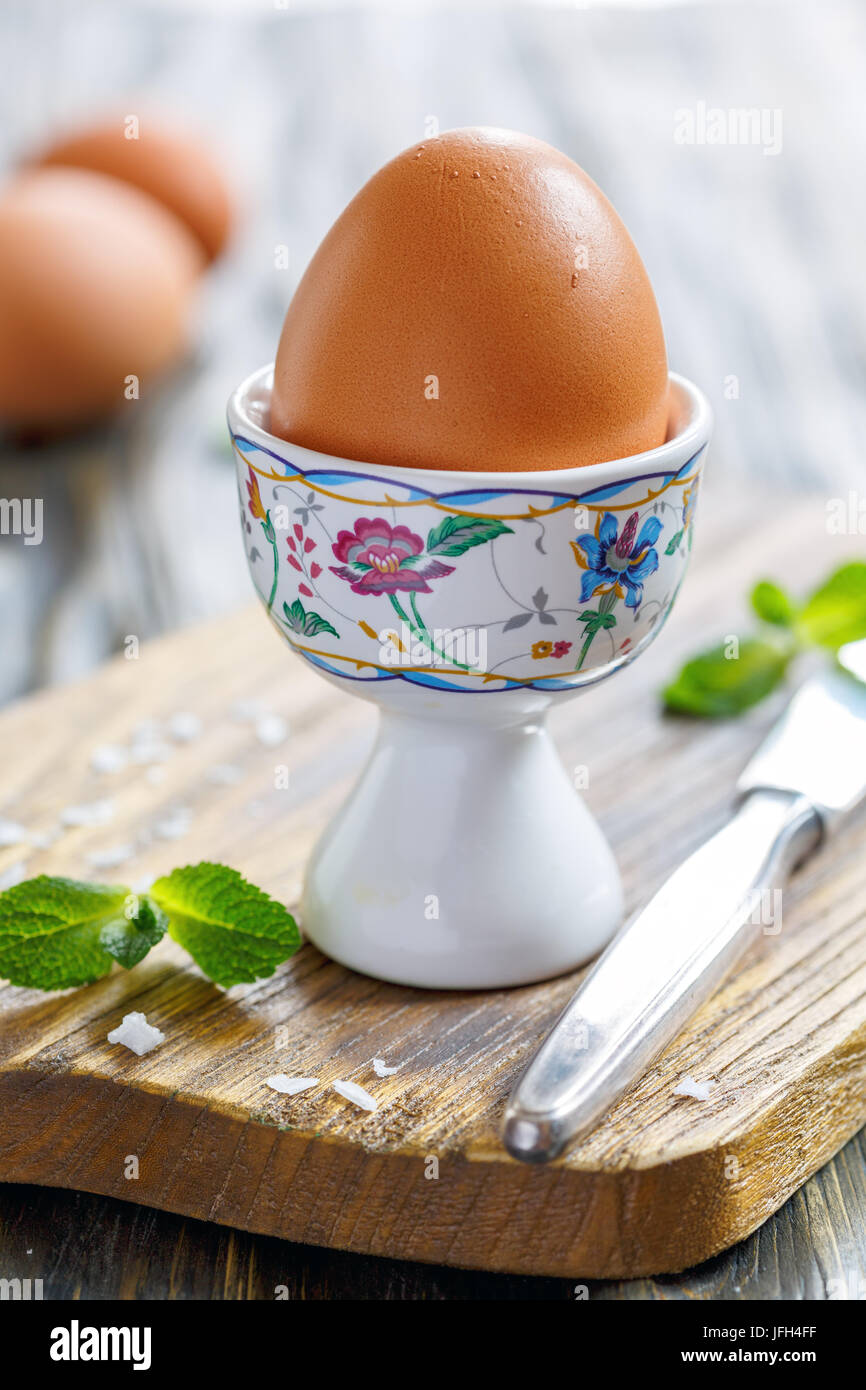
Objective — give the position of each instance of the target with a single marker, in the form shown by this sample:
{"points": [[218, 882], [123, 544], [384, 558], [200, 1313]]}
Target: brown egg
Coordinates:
{"points": [[171, 166], [96, 282], [478, 305]]}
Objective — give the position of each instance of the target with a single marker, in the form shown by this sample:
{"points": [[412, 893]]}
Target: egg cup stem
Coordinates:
{"points": [[463, 858]]}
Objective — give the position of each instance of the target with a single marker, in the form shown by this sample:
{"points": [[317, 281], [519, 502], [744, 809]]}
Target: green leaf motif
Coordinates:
{"points": [[718, 685], [457, 534], [596, 621], [234, 932], [673, 543], [130, 938], [771, 603], [836, 612], [53, 932], [307, 624]]}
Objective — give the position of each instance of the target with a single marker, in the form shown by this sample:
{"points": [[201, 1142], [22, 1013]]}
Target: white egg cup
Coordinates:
{"points": [[464, 605]]}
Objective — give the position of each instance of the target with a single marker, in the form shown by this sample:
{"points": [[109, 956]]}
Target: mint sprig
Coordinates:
{"points": [[56, 933], [234, 932], [728, 679]]}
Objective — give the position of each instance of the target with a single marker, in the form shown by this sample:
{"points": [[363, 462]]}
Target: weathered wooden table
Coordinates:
{"points": [[757, 261]]}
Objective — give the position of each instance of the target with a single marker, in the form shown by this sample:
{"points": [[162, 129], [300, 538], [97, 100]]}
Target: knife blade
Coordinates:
{"points": [[808, 775]]}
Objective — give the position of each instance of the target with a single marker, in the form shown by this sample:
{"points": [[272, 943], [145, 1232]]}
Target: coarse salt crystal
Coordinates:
{"points": [[173, 825], [109, 757], [699, 1090], [44, 839], [137, 1034], [153, 750], [112, 856], [90, 813], [381, 1069], [11, 833], [15, 874], [291, 1085], [271, 730], [350, 1091], [184, 726]]}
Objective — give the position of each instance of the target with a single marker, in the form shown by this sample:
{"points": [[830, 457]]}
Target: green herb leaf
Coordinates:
{"points": [[836, 612], [457, 534], [53, 931], [129, 938], [232, 930], [717, 684], [771, 603], [673, 543]]}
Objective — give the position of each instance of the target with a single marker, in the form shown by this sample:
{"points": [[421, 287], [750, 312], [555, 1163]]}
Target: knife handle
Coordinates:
{"points": [[657, 971]]}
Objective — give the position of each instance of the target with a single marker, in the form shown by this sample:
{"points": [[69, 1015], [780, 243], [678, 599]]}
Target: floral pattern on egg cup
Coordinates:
{"points": [[630, 564]]}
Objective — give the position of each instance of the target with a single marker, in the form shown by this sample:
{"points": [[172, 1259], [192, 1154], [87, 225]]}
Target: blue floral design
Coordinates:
{"points": [[625, 560]]}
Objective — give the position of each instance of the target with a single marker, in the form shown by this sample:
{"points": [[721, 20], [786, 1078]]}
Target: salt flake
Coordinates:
{"points": [[381, 1069], [109, 757], [271, 730], [148, 751], [15, 874], [89, 813], [291, 1085], [174, 825], [699, 1090], [184, 726], [11, 833], [137, 1034], [350, 1091], [112, 856]]}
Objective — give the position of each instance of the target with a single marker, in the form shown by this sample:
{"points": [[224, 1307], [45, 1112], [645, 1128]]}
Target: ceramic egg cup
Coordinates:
{"points": [[464, 605]]}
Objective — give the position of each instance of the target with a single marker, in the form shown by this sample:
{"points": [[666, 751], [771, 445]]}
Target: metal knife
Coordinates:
{"points": [[807, 776]]}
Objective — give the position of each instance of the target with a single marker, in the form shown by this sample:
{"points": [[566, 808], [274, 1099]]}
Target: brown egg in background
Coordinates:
{"points": [[478, 305], [96, 282], [170, 164]]}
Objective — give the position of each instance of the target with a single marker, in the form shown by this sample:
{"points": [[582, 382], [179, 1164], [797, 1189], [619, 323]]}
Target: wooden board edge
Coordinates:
{"points": [[476, 1213]]}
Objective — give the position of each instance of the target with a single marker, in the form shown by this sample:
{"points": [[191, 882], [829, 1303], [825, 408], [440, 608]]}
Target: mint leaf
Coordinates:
{"points": [[716, 686], [771, 603], [52, 931], [836, 612], [141, 926], [457, 534], [234, 932]]}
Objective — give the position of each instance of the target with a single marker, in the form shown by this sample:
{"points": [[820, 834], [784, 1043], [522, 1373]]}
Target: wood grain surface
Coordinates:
{"points": [[664, 1182]]}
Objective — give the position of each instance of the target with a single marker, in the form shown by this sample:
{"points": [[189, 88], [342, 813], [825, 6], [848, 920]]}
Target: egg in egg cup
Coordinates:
{"points": [[464, 605]]}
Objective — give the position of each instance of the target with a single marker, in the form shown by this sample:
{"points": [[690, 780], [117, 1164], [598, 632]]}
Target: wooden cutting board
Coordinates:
{"points": [[664, 1182]]}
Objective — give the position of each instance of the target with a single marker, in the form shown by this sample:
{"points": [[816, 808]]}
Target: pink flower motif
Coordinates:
{"points": [[309, 545], [302, 589], [299, 531], [379, 558], [561, 649], [295, 563], [291, 543], [315, 570]]}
